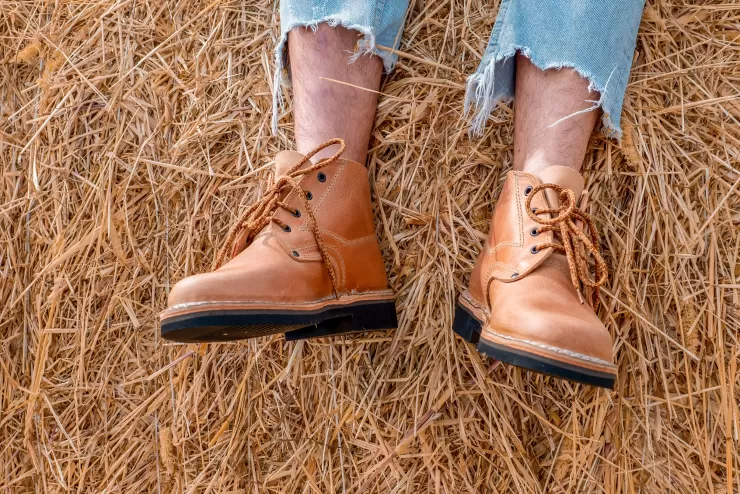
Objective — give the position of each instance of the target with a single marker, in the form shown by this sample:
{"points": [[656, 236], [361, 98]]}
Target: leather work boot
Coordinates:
{"points": [[524, 305], [305, 260]]}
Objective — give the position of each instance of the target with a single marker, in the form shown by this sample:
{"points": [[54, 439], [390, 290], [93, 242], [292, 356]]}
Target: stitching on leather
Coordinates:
{"points": [[342, 266], [562, 351], [490, 270], [501, 264], [504, 244], [273, 302], [282, 244], [322, 199], [519, 211], [528, 175], [340, 170], [469, 298], [315, 256], [304, 247], [327, 233], [360, 240], [488, 290]]}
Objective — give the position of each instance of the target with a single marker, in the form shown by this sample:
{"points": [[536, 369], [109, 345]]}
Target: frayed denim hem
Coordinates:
{"points": [[366, 46], [494, 81]]}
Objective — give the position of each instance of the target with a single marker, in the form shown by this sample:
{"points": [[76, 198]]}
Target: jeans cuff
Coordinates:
{"points": [[494, 82], [595, 38]]}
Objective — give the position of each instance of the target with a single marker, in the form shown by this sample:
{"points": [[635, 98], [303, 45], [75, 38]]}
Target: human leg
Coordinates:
{"points": [[525, 303], [328, 100], [304, 259], [310, 48], [553, 117]]}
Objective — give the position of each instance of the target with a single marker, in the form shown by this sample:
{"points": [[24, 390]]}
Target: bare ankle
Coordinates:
{"points": [[537, 161], [332, 97], [553, 117]]}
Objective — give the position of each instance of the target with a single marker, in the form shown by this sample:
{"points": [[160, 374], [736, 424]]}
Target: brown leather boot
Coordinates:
{"points": [[524, 304], [305, 260]]}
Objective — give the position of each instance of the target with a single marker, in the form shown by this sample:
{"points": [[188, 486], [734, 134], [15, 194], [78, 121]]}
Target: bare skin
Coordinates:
{"points": [[325, 109], [543, 98]]}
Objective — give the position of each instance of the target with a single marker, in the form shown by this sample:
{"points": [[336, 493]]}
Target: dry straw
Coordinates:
{"points": [[132, 133]]}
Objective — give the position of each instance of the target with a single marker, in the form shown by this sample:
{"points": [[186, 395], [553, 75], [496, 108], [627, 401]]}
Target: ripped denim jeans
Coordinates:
{"points": [[596, 38]]}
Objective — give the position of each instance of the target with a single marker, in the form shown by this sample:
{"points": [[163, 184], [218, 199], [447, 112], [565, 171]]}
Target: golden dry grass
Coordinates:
{"points": [[131, 134]]}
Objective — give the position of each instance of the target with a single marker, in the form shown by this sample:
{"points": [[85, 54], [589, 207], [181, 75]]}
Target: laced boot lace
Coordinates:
{"points": [[576, 245], [262, 212]]}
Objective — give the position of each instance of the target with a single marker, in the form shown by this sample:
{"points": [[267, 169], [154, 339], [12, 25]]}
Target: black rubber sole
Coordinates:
{"points": [[468, 327], [231, 325]]}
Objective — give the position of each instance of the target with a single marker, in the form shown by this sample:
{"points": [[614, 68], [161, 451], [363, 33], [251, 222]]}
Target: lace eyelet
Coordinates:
{"points": [[534, 210], [295, 253], [321, 176], [528, 190], [534, 249], [534, 232], [296, 213], [286, 228], [309, 196], [515, 275]]}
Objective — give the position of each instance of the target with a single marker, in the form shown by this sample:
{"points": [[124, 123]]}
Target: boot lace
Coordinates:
{"points": [[262, 212], [576, 245]]}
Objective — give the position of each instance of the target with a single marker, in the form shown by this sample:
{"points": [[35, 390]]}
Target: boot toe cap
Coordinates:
{"points": [[576, 331], [190, 290]]}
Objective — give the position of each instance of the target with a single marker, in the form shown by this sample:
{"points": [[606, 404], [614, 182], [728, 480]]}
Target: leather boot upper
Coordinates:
{"points": [[524, 294], [282, 265]]}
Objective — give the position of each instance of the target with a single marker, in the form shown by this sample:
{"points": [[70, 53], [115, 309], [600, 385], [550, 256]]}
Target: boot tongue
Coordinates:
{"points": [[563, 176], [285, 160]]}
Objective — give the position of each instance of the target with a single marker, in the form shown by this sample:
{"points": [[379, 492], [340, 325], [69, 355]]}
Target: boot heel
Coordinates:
{"points": [[374, 316], [356, 318], [466, 325]]}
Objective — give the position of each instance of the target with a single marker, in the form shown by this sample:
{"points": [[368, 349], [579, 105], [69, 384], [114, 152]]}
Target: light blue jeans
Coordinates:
{"points": [[594, 37]]}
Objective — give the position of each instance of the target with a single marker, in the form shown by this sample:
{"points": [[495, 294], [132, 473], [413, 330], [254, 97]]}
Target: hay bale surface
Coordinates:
{"points": [[133, 132]]}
